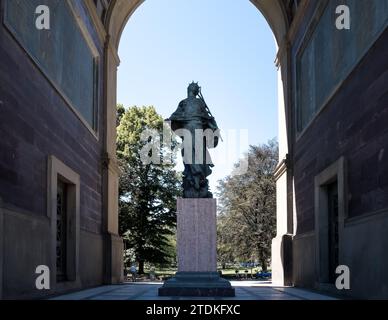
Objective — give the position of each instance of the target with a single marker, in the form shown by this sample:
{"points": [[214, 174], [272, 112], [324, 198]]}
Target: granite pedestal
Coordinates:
{"points": [[197, 252]]}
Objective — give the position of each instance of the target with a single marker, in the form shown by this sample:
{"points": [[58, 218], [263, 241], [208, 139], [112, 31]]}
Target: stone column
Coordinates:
{"points": [[113, 243], [282, 255], [197, 252], [281, 263]]}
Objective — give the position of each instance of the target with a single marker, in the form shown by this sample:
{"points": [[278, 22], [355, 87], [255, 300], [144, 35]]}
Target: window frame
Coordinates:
{"points": [[58, 171], [337, 173]]}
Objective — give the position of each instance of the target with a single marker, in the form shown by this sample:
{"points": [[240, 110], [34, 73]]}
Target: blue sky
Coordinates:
{"points": [[226, 45]]}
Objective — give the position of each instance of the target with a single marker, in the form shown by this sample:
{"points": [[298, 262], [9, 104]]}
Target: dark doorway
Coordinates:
{"points": [[333, 245], [61, 248]]}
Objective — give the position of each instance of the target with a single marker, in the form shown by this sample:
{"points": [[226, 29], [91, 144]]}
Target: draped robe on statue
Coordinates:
{"points": [[192, 114]]}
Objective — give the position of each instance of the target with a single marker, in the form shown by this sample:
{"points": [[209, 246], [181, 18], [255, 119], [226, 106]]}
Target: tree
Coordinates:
{"points": [[148, 191], [247, 219], [225, 247]]}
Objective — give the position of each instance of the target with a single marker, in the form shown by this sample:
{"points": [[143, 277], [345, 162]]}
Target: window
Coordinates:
{"points": [[62, 53]]}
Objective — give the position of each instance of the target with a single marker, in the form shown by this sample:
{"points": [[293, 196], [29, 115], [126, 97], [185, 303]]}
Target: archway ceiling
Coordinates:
{"points": [[121, 10]]}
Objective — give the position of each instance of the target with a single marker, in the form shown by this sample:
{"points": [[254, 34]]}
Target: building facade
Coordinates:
{"points": [[58, 171], [340, 103], [54, 165]]}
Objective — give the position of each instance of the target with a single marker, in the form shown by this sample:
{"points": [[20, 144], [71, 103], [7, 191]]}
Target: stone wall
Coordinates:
{"points": [[36, 122], [353, 125]]}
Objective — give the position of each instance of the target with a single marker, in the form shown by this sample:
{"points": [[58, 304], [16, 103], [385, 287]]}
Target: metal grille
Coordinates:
{"points": [[61, 231]]}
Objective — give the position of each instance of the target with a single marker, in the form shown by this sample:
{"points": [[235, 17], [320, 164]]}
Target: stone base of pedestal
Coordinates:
{"points": [[197, 274], [197, 284]]}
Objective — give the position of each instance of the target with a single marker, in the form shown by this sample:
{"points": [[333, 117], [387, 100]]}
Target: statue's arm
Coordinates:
{"points": [[179, 113], [212, 123]]}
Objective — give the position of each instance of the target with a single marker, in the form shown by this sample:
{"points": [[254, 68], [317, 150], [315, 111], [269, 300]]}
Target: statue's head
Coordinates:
{"points": [[193, 89]]}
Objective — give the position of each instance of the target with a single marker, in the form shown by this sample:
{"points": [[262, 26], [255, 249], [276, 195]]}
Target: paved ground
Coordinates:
{"points": [[245, 290]]}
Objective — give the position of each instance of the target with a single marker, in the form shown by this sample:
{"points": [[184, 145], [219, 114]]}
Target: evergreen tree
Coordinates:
{"points": [[148, 191]]}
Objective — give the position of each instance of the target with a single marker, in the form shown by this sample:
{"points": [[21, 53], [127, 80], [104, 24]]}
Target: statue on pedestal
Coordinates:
{"points": [[196, 214], [194, 123]]}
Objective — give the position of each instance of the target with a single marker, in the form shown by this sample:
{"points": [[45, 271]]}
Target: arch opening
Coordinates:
{"points": [[118, 16]]}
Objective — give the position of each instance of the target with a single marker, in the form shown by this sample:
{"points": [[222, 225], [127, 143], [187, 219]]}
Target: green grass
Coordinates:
{"points": [[227, 271], [162, 274]]}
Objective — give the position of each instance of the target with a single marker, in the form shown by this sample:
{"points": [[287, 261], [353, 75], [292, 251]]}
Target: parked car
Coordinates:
{"points": [[263, 275]]}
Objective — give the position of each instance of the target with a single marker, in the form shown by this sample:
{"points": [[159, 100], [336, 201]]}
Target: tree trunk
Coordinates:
{"points": [[264, 265], [141, 267]]}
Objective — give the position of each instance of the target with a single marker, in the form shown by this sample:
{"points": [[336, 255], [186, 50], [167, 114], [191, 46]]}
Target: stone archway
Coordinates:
{"points": [[274, 11]]}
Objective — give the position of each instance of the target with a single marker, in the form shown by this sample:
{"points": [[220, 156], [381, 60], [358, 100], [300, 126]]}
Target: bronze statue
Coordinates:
{"points": [[194, 123]]}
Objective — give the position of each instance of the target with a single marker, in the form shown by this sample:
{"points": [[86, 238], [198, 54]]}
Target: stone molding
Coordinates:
{"points": [[100, 29], [335, 172], [58, 170], [281, 168]]}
